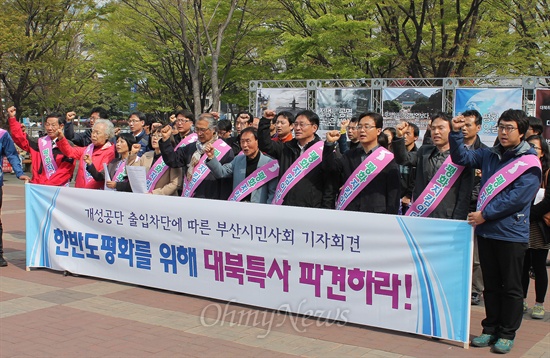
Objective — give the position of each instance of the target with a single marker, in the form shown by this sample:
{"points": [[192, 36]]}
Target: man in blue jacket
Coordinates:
{"points": [[7, 149], [501, 222]]}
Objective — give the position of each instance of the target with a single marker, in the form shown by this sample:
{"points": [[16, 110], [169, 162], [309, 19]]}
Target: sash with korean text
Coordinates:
{"points": [[45, 145], [257, 179], [120, 171], [363, 175], [298, 170], [89, 151], [201, 171], [504, 177], [158, 169], [436, 189]]}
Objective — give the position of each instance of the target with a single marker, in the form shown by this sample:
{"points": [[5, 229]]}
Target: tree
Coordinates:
{"points": [[42, 36], [186, 47]]}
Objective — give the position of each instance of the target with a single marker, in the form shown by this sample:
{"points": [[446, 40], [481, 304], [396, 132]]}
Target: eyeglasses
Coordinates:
{"points": [[134, 121], [365, 127], [201, 130], [534, 146], [507, 129], [180, 120], [302, 125]]}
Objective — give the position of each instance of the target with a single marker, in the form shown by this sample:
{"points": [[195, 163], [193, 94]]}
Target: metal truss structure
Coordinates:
{"points": [[377, 85]]}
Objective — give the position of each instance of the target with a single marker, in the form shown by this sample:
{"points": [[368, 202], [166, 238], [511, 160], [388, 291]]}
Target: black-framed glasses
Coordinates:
{"points": [[364, 126], [507, 129]]}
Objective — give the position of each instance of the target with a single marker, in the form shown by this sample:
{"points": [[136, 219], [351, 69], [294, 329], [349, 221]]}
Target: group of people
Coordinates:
{"points": [[280, 159]]}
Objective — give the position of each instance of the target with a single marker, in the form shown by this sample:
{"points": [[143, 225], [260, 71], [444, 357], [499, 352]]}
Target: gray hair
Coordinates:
{"points": [[109, 127], [212, 122]]}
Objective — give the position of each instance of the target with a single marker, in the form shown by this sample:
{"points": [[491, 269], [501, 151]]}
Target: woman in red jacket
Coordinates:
{"points": [[101, 150]]}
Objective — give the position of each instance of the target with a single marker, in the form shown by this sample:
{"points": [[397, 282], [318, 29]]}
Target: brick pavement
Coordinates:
{"points": [[45, 314]]}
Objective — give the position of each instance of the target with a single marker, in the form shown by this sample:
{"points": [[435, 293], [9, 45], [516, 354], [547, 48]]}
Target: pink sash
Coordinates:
{"points": [[298, 170], [363, 175], [504, 177], [436, 189], [201, 171], [2, 132], [89, 151], [120, 171], [158, 169], [46, 152], [259, 177]]}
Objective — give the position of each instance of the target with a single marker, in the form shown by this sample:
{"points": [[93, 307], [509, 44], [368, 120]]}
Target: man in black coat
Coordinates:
{"points": [[314, 190], [428, 160]]}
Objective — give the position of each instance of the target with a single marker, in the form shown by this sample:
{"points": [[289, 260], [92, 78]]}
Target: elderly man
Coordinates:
{"points": [[198, 180], [101, 150], [49, 165], [244, 168]]}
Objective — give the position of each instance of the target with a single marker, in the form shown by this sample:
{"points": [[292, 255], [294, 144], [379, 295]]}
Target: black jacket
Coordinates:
{"points": [[210, 188], [381, 195], [316, 189], [456, 203]]}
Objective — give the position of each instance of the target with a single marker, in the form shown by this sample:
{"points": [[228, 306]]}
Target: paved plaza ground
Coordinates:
{"points": [[46, 314]]}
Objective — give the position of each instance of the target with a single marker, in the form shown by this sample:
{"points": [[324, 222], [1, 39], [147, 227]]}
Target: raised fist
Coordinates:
{"points": [[333, 136], [401, 128], [269, 114], [11, 112], [209, 150]]}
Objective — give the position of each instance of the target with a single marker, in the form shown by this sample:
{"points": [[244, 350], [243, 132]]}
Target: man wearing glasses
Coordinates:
{"points": [[136, 121], [190, 156], [314, 189], [428, 160], [82, 139], [510, 178], [184, 124], [49, 165]]}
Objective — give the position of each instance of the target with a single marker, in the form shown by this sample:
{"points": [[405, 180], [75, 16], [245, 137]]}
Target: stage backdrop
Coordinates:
{"points": [[333, 105], [411, 104], [490, 102], [400, 273], [292, 100]]}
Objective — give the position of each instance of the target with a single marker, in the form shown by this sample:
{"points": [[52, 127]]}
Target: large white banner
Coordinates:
{"points": [[401, 273]]}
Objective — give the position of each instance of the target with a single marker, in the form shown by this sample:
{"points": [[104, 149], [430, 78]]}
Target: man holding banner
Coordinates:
{"points": [[510, 179], [7, 149], [198, 180], [442, 188], [254, 174], [302, 180], [368, 174]]}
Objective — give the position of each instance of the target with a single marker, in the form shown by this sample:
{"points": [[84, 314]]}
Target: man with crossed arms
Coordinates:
{"points": [[510, 178]]}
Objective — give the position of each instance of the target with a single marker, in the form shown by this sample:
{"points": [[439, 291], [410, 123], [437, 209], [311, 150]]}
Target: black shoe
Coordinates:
{"points": [[3, 262], [476, 299]]}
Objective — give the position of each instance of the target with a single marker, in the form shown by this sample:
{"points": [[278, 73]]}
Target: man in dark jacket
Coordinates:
{"points": [[381, 195], [501, 222], [428, 160], [472, 126], [188, 157], [82, 139], [316, 188]]}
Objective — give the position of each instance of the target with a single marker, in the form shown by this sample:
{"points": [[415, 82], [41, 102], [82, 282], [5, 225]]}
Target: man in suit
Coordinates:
{"points": [[243, 166]]}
